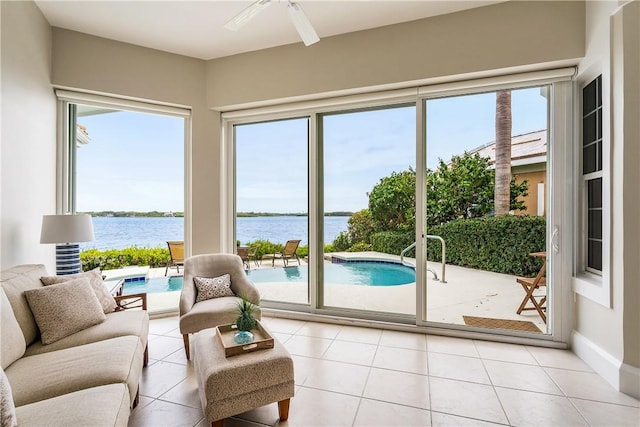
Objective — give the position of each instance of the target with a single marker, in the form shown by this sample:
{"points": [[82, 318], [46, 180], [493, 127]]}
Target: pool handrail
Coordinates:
{"points": [[443, 257]]}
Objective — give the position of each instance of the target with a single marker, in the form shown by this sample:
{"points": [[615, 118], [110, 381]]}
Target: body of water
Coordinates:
{"points": [[119, 233]]}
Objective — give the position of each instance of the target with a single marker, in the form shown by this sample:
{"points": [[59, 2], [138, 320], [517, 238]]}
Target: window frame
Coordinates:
{"points": [[66, 162], [562, 109], [588, 282]]}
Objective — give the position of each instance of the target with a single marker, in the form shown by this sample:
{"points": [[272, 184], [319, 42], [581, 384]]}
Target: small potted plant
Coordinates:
{"points": [[245, 321]]}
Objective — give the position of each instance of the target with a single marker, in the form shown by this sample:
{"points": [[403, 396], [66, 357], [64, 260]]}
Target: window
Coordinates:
{"points": [[592, 173]]}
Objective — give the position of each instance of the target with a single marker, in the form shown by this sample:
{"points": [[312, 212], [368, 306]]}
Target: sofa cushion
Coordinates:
{"points": [[213, 287], [15, 281], [47, 375], [104, 406], [7, 408], [118, 324], [95, 280], [63, 309], [13, 345]]}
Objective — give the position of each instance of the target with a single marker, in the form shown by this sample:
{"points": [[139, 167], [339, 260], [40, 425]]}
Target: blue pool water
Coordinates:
{"points": [[158, 284], [348, 273]]}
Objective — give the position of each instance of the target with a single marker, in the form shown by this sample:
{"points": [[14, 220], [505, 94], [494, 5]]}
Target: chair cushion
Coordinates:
{"points": [[13, 345], [212, 313], [104, 406], [213, 287], [43, 376], [63, 309], [95, 280], [7, 408]]}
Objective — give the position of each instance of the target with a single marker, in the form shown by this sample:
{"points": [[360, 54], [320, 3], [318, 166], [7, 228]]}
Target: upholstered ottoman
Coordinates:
{"points": [[233, 385]]}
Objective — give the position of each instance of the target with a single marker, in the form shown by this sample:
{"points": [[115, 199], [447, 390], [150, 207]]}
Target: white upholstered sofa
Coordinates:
{"points": [[89, 377]]}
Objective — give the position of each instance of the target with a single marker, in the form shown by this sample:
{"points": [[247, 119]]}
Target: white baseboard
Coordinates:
{"points": [[630, 380], [622, 377]]}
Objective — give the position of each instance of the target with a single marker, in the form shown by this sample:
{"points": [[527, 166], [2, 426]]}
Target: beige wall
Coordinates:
{"points": [[612, 43], [89, 63], [28, 145], [493, 37], [626, 94]]}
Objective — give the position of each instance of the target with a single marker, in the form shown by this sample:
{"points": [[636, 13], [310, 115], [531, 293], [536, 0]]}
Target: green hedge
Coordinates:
{"points": [[393, 242], [117, 258], [500, 244]]}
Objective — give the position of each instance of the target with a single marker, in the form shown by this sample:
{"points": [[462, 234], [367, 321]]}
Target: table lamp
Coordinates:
{"points": [[66, 231]]}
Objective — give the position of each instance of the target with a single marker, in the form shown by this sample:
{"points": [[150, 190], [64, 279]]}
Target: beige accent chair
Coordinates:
{"points": [[217, 311]]}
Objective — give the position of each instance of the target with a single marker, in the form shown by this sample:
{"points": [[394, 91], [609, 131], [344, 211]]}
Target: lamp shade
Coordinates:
{"points": [[66, 229]]}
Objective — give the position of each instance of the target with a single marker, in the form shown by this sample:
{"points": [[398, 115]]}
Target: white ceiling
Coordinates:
{"points": [[195, 28]]}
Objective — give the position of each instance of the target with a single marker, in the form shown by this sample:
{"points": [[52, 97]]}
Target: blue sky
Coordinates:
{"points": [[135, 160]]}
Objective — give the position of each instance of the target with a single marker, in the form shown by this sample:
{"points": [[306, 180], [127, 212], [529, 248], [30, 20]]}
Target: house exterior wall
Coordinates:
{"points": [[28, 144], [533, 178]]}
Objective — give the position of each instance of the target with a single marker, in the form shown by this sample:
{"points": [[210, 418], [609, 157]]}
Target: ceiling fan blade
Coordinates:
{"points": [[302, 24], [247, 14]]}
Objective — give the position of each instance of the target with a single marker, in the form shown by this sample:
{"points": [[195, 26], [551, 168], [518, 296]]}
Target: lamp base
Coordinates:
{"points": [[68, 259]]}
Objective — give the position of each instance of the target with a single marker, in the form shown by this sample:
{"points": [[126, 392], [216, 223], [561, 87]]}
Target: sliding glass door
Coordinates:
{"points": [[369, 174], [486, 186], [439, 210], [272, 206]]}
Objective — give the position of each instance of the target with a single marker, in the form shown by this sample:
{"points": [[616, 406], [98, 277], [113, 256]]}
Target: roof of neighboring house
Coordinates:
{"points": [[526, 149]]}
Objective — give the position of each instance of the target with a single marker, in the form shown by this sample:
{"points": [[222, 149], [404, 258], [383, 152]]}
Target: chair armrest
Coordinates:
{"points": [[242, 286], [128, 302]]}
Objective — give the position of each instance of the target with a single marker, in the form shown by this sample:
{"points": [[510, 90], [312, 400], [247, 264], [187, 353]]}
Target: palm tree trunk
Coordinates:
{"points": [[502, 196]]}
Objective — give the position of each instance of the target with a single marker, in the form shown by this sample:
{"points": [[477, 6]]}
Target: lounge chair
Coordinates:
{"points": [[289, 251], [246, 253], [176, 252]]}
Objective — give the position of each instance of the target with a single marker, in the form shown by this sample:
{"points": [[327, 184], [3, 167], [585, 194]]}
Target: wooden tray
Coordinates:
{"points": [[262, 340]]}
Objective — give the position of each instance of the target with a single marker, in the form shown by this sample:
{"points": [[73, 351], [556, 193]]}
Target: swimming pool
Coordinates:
{"points": [[348, 273], [154, 285], [364, 273]]}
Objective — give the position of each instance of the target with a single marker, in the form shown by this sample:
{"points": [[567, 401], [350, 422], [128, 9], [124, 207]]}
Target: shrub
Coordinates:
{"points": [[360, 247], [392, 242], [500, 244], [392, 202], [342, 242], [361, 226], [117, 258], [266, 247]]}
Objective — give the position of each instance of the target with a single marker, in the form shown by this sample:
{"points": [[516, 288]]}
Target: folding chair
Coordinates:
{"points": [[530, 285]]}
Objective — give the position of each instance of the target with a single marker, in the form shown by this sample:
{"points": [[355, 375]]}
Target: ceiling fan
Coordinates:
{"points": [[299, 19]]}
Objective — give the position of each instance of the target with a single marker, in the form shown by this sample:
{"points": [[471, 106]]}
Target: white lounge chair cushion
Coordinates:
{"points": [[97, 284], [64, 309]]}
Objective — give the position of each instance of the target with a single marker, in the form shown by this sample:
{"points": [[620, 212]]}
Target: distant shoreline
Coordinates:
{"points": [[157, 214]]}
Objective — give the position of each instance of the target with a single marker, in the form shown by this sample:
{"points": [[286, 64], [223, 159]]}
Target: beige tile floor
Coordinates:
{"points": [[351, 376]]}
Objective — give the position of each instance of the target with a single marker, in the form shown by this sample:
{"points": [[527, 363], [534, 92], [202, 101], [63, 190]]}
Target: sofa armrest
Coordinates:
{"points": [[128, 302]]}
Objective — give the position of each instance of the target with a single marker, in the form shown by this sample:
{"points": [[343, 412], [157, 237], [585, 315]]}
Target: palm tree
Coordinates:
{"points": [[502, 196]]}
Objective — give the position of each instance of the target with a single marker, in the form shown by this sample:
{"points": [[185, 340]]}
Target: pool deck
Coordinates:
{"points": [[466, 292]]}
